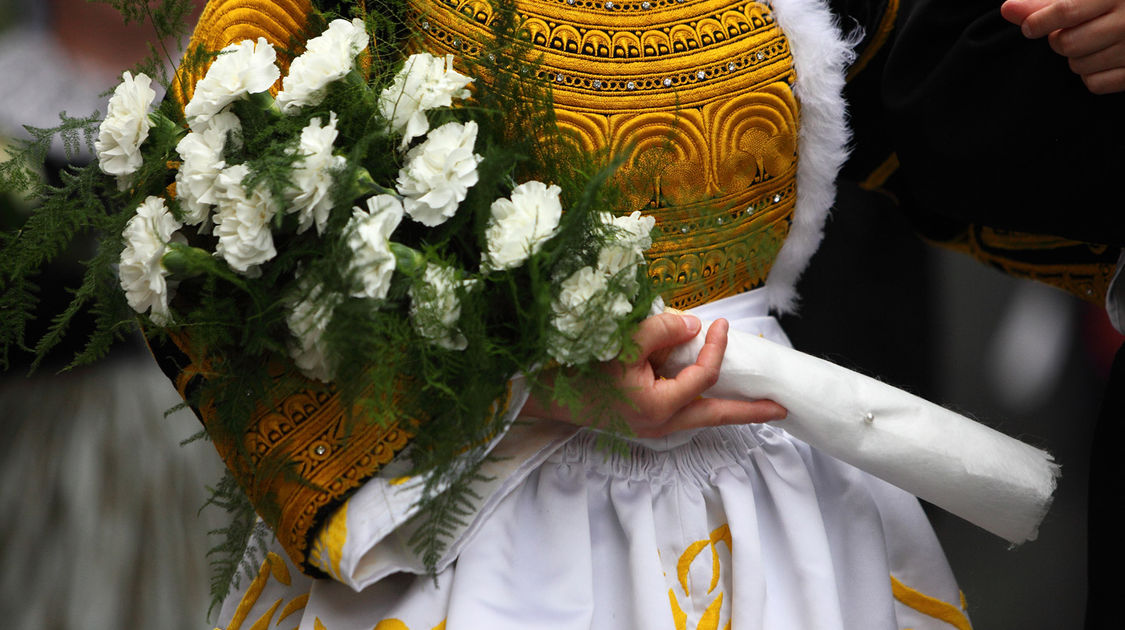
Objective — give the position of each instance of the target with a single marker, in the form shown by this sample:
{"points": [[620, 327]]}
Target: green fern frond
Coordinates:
{"points": [[242, 542]]}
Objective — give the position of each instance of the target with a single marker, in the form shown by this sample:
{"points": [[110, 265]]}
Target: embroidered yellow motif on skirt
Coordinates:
{"points": [[931, 606], [711, 616], [272, 567]]}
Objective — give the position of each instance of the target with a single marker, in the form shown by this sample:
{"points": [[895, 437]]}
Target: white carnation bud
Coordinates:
{"points": [[518, 227], [201, 155], [247, 67], [126, 126], [435, 307], [327, 58], [144, 280], [439, 172], [424, 83], [369, 234], [242, 222], [312, 174], [586, 314]]}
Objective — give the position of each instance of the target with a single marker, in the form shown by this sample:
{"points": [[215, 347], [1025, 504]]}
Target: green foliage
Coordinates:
{"points": [[243, 540], [65, 212], [444, 513]]}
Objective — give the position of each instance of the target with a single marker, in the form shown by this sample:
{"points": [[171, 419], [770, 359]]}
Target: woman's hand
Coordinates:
{"points": [[654, 406], [1090, 33]]}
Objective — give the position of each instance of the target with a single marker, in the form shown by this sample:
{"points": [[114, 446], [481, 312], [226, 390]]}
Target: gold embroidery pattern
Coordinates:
{"points": [[931, 606], [711, 617], [301, 455], [272, 567], [701, 94]]}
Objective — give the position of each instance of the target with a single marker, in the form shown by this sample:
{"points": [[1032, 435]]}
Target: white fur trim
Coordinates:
{"points": [[820, 57]]}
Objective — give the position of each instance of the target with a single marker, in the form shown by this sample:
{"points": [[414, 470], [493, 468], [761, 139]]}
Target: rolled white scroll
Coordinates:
{"points": [[975, 472]]}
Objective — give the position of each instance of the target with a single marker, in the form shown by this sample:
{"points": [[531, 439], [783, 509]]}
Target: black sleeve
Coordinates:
{"points": [[993, 128]]}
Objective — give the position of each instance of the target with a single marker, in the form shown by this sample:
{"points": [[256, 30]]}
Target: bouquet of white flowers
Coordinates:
{"points": [[379, 229], [244, 186]]}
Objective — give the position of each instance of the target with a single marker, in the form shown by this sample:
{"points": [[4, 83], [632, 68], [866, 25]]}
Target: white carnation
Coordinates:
{"points": [[201, 155], [435, 307], [308, 319], [586, 314], [327, 58], [519, 226], [126, 126], [242, 222], [369, 236], [244, 68], [143, 278], [592, 302], [312, 174], [439, 172], [425, 82], [631, 236]]}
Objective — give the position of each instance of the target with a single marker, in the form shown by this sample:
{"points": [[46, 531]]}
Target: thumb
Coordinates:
{"points": [[1016, 11]]}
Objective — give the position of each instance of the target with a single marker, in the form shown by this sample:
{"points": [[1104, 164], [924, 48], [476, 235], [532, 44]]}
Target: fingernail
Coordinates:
{"points": [[693, 324], [1026, 30]]}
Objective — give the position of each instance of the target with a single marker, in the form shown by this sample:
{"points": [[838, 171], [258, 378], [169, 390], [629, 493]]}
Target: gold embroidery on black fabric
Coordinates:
{"points": [[1082, 269]]}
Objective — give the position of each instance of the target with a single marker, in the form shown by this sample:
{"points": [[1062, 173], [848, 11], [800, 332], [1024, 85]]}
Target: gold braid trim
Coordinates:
{"points": [[1081, 269]]}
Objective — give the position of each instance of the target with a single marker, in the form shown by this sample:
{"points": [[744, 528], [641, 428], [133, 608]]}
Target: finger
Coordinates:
{"points": [[1016, 11], [664, 331], [1089, 37], [1106, 82], [1063, 14], [712, 412], [672, 394], [1105, 59]]}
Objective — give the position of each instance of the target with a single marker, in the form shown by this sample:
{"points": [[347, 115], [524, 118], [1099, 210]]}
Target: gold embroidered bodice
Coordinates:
{"points": [[699, 89]]}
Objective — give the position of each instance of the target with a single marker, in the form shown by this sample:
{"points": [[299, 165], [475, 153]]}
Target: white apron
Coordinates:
{"points": [[740, 527]]}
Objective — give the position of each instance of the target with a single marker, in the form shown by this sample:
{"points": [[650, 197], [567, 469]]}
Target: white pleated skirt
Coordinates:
{"points": [[739, 527]]}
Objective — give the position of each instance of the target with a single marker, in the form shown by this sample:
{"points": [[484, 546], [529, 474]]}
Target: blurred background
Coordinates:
{"points": [[100, 502]]}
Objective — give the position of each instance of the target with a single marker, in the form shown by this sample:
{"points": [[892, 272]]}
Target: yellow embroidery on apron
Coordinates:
{"points": [[710, 619], [273, 566], [930, 606]]}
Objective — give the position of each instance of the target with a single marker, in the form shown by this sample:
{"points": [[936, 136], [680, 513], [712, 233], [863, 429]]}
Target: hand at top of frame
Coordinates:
{"points": [[656, 407], [1089, 33]]}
